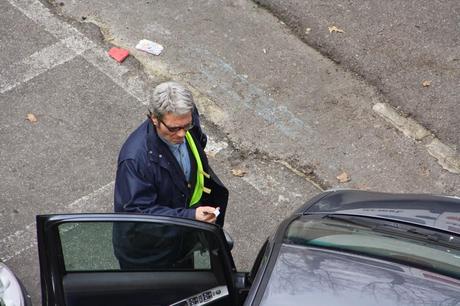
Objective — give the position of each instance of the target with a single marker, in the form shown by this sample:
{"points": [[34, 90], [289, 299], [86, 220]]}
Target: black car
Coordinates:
{"points": [[343, 247]]}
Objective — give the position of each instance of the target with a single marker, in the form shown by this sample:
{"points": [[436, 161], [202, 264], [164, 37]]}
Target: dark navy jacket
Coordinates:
{"points": [[150, 181]]}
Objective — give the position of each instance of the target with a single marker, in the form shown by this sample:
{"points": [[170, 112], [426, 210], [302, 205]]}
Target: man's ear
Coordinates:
{"points": [[154, 120]]}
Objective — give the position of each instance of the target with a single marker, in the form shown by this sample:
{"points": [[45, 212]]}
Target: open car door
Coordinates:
{"points": [[136, 260]]}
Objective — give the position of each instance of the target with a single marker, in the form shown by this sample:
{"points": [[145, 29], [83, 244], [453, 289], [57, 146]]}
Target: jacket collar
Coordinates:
{"points": [[159, 153], [155, 147]]}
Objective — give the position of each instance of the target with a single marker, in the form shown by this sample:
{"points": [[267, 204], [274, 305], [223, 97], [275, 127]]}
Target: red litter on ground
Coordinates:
{"points": [[118, 54]]}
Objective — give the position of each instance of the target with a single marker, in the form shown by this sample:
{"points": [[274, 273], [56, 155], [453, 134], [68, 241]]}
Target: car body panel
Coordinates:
{"points": [[383, 206], [262, 275], [428, 210], [12, 291]]}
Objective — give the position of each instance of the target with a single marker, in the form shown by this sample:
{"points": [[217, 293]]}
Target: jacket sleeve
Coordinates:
{"points": [[134, 194]]}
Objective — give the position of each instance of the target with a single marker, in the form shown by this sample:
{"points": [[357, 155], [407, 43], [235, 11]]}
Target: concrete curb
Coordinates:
{"points": [[407, 125], [447, 157]]}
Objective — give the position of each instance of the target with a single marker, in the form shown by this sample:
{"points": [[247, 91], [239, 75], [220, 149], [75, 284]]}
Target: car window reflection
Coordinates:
{"points": [[133, 246], [362, 238]]}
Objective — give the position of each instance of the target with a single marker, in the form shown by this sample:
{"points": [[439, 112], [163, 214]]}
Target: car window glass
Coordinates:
{"points": [[399, 246], [106, 246]]}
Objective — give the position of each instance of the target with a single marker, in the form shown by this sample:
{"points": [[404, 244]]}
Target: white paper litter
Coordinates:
{"points": [[149, 47]]}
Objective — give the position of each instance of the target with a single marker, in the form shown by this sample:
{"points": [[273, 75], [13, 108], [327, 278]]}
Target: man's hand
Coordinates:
{"points": [[205, 213]]}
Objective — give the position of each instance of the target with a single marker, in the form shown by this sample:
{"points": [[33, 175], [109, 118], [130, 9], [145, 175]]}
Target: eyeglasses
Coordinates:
{"points": [[176, 129]]}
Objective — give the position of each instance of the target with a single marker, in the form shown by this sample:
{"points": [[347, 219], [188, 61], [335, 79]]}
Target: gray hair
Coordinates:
{"points": [[171, 97]]}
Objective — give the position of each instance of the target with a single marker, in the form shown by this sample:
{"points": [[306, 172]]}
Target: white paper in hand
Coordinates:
{"points": [[217, 212], [149, 46]]}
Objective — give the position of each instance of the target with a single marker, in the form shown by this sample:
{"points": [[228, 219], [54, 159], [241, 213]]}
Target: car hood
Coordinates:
{"points": [[310, 276]]}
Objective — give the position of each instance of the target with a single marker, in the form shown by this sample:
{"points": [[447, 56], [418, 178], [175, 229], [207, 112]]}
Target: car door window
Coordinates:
{"points": [[128, 246], [136, 260]]}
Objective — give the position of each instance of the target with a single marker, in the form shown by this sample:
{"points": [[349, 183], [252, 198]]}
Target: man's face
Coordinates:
{"points": [[173, 127]]}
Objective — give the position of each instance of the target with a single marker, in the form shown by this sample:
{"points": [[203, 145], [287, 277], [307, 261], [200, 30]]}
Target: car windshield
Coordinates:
{"points": [[403, 243]]}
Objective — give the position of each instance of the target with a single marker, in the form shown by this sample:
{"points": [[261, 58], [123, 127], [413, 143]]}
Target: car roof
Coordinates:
{"points": [[440, 212]]}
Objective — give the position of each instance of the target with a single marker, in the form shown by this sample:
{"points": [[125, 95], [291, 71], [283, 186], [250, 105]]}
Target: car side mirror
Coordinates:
{"points": [[229, 239]]}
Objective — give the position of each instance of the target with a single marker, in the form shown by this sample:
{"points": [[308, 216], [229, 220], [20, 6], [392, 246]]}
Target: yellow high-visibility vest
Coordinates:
{"points": [[200, 174]]}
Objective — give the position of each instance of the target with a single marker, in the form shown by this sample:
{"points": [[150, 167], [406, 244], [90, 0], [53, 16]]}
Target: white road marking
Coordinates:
{"points": [[25, 239], [88, 204], [71, 44], [260, 183], [119, 74], [37, 12], [213, 147], [42, 61]]}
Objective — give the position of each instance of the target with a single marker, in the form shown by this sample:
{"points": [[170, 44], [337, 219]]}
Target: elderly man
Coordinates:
{"points": [[162, 167]]}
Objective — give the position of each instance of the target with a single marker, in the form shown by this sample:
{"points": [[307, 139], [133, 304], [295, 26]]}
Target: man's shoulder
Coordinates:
{"points": [[136, 143]]}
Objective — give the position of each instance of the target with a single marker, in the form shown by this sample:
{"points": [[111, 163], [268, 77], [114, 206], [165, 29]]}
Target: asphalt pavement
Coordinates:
{"points": [[280, 113], [408, 50]]}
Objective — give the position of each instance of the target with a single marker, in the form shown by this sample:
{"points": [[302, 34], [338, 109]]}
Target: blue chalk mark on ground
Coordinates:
{"points": [[250, 96]]}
